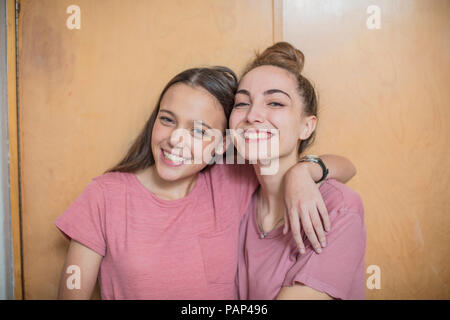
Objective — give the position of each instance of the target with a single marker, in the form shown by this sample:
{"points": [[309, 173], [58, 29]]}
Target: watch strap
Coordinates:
{"points": [[316, 159]]}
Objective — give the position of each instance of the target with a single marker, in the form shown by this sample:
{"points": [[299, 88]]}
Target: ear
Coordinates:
{"points": [[307, 128]]}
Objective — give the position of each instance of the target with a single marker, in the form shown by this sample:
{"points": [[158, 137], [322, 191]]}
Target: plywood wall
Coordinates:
{"points": [[84, 94], [384, 103]]}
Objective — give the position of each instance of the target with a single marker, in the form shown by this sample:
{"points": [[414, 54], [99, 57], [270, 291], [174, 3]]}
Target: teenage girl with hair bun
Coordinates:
{"points": [[274, 95]]}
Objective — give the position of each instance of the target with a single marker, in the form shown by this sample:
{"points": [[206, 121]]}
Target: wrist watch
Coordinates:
{"points": [[316, 159]]}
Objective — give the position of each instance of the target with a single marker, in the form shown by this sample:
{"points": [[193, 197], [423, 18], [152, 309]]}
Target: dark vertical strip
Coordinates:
{"points": [[18, 149]]}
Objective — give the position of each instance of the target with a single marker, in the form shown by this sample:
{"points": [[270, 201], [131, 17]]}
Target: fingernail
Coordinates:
{"points": [[302, 251], [318, 250], [323, 243]]}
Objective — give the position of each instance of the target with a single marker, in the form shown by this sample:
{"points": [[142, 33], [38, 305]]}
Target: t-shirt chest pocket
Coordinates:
{"points": [[219, 253]]}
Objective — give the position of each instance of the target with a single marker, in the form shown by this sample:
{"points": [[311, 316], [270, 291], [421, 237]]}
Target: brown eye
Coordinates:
{"points": [[165, 119], [198, 132]]}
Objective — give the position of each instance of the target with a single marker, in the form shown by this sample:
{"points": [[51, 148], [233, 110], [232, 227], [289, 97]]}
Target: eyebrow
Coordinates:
{"points": [[272, 91], [267, 92], [167, 111], [173, 115]]}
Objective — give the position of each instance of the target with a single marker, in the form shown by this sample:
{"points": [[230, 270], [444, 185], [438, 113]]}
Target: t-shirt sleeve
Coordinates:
{"points": [[340, 264], [84, 219]]}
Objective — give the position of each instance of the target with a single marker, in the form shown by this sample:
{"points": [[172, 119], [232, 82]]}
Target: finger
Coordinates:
{"points": [[295, 229], [317, 225], [286, 223], [309, 230], [286, 220], [325, 216]]}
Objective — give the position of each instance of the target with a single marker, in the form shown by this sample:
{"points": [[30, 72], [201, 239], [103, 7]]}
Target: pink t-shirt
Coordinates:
{"points": [[266, 265], [161, 249]]}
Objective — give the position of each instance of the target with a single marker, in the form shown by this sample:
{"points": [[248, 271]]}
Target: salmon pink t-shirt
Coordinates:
{"points": [[270, 263], [161, 249]]}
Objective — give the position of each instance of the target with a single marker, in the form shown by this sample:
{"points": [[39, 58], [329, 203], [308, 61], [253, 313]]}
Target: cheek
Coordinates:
{"points": [[159, 134], [236, 117], [288, 125], [287, 120]]}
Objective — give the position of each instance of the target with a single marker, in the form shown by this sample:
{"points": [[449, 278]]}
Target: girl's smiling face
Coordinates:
{"points": [[268, 99], [176, 143]]}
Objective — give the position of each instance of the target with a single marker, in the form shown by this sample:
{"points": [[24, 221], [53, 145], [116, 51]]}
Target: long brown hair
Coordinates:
{"points": [[219, 81], [286, 56]]}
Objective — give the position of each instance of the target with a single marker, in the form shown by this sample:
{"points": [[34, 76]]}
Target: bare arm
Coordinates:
{"points": [[88, 262], [301, 292], [304, 204]]}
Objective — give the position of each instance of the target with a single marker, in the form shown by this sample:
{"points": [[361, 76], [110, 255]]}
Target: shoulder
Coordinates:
{"points": [[111, 181], [347, 236], [340, 197]]}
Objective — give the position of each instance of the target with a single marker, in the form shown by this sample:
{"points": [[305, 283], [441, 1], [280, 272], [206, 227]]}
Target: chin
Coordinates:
{"points": [[169, 174], [173, 174]]}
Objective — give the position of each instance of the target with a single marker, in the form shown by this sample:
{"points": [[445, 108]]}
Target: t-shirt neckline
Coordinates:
{"points": [[143, 190]]}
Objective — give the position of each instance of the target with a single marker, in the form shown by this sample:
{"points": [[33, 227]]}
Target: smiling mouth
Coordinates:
{"points": [[172, 159], [257, 135]]}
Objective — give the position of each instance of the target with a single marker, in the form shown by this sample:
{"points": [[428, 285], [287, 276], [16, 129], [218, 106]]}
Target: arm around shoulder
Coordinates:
{"points": [[340, 168]]}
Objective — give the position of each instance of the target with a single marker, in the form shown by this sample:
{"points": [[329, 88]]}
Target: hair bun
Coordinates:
{"points": [[281, 54]]}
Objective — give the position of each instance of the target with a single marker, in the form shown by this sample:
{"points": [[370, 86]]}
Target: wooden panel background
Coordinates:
{"points": [[384, 103], [85, 94]]}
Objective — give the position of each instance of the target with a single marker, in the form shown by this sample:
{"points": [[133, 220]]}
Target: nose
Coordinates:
{"points": [[178, 138], [256, 113]]}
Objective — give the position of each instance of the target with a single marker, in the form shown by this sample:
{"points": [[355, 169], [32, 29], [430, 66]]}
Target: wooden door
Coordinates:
{"points": [[85, 93], [384, 103]]}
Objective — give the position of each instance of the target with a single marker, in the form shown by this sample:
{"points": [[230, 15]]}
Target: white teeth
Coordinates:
{"points": [[263, 135], [251, 135], [173, 158], [254, 135]]}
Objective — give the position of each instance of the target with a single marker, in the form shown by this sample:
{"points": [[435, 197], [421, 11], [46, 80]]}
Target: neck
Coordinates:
{"points": [[271, 192], [168, 190]]}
